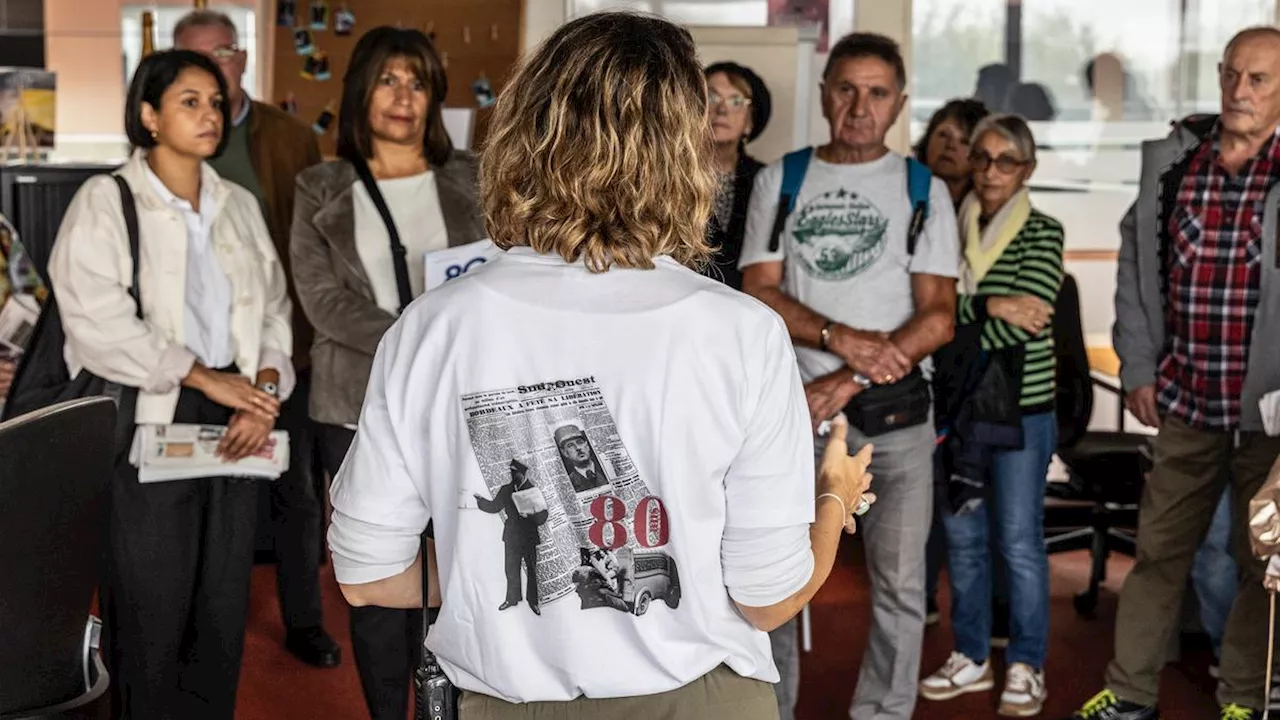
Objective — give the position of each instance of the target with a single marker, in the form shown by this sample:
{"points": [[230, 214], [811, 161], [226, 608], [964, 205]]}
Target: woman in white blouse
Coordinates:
{"points": [[212, 347], [345, 271]]}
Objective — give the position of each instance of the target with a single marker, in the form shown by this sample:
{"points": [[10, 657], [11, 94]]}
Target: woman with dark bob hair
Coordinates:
{"points": [[209, 345], [944, 147], [353, 282], [614, 451]]}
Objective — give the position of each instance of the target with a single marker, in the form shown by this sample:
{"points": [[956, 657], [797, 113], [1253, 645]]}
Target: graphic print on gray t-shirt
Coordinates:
{"points": [[577, 516], [838, 235]]}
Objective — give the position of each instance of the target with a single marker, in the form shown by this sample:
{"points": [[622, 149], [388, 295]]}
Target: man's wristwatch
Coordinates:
{"points": [[270, 388]]}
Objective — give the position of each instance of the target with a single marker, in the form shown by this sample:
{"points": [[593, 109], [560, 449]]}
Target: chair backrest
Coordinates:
{"points": [[55, 472], [1075, 384]]}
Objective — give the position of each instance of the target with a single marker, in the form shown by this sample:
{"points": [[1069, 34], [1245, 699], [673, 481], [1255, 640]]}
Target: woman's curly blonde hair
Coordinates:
{"points": [[599, 148]]}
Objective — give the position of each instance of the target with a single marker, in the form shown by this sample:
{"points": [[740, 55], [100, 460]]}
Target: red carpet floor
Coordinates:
{"points": [[275, 686]]}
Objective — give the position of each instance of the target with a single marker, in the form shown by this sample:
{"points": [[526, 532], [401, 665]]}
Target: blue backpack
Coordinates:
{"points": [[796, 164]]}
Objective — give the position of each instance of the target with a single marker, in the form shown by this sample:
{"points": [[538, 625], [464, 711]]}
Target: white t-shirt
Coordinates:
{"points": [[415, 208], [844, 246], [675, 403]]}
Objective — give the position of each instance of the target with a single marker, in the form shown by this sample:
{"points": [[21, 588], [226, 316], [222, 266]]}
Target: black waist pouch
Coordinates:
{"points": [[883, 409]]}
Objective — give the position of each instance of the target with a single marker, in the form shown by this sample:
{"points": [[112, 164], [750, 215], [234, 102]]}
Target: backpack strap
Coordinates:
{"points": [[794, 166], [918, 181], [130, 210]]}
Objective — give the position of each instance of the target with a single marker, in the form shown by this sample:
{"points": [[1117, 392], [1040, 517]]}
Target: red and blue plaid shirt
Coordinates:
{"points": [[1214, 264]]}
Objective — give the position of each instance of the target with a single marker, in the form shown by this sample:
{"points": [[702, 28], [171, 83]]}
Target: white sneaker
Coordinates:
{"points": [[958, 676], [1024, 692]]}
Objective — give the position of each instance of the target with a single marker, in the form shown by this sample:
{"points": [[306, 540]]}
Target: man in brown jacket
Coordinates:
{"points": [[266, 151]]}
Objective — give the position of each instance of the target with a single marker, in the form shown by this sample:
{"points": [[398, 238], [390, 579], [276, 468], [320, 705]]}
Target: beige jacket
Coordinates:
{"points": [[334, 289], [1264, 516], [91, 271]]}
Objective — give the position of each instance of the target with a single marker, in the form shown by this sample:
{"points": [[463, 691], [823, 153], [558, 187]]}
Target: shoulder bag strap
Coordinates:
{"points": [[130, 210], [918, 180], [794, 166], [398, 253]]}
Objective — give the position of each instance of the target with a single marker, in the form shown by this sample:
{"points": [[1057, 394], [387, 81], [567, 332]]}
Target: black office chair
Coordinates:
{"points": [[55, 471], [1098, 507]]}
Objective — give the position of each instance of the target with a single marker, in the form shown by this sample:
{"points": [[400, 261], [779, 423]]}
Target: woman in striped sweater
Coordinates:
{"points": [[1010, 275]]}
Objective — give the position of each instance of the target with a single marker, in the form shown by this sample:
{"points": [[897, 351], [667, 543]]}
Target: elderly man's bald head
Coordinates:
{"points": [[1249, 77], [1264, 34]]}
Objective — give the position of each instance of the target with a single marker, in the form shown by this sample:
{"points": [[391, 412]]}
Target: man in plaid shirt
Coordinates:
{"points": [[1198, 284]]}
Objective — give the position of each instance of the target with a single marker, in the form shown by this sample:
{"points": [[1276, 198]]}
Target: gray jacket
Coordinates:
{"points": [[333, 288], [1139, 332]]}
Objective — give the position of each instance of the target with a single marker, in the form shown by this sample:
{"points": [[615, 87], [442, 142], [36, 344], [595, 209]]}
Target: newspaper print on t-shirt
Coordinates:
{"points": [[577, 518]]}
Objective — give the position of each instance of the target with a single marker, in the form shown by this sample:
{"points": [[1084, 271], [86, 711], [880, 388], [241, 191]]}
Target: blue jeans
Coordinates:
{"points": [[1016, 493], [1214, 575]]}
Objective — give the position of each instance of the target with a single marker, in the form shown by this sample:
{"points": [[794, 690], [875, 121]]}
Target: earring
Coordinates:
{"points": [[154, 134]]}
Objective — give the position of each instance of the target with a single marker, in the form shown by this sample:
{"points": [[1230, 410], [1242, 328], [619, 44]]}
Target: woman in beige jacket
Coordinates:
{"points": [[343, 268], [211, 347]]}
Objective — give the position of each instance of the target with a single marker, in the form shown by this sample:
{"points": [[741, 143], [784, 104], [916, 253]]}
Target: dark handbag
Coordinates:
{"points": [[435, 698], [398, 253], [42, 378], [883, 409]]}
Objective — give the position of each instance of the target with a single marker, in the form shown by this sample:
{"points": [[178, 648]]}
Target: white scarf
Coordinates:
{"points": [[982, 248]]}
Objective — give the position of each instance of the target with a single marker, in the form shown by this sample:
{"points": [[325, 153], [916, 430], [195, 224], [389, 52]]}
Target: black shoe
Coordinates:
{"points": [[1239, 712], [313, 646], [1106, 706], [508, 604]]}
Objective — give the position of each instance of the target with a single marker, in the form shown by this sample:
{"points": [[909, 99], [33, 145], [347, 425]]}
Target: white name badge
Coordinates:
{"points": [[452, 263]]}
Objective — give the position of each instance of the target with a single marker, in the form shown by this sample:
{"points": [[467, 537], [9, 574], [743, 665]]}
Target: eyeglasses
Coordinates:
{"points": [[733, 102], [225, 53], [1006, 164]]}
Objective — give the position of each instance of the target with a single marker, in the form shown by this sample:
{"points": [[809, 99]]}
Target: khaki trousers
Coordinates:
{"points": [[721, 694], [1178, 501]]}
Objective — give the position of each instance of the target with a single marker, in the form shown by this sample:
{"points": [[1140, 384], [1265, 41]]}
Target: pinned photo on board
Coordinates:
{"points": [[344, 21], [483, 90], [324, 121], [286, 13], [319, 14], [316, 67], [289, 104], [302, 43]]}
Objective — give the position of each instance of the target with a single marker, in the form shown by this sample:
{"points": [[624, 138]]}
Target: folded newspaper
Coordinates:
{"points": [[184, 452], [18, 319]]}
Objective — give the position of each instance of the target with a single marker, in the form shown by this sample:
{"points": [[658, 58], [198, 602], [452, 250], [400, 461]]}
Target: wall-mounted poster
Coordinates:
{"points": [[286, 13], [302, 43], [802, 12], [27, 108]]}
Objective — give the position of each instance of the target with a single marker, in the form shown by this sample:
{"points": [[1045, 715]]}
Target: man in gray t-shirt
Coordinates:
{"points": [[863, 311]]}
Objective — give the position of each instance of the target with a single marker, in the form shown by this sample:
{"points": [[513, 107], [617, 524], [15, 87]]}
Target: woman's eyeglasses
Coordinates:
{"points": [[1006, 164], [733, 102]]}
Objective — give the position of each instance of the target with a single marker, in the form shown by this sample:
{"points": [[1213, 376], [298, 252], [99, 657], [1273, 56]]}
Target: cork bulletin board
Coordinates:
{"points": [[478, 41]]}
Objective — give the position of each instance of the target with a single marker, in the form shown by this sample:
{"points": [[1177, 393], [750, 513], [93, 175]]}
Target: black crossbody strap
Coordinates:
{"points": [[130, 210], [398, 253]]}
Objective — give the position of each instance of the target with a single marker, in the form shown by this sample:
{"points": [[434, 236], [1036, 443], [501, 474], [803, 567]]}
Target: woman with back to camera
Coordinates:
{"points": [[343, 265], [645, 593], [212, 347], [738, 106], [1009, 280]]}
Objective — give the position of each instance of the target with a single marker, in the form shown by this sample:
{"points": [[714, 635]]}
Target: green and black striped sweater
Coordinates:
{"points": [[1030, 265]]}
